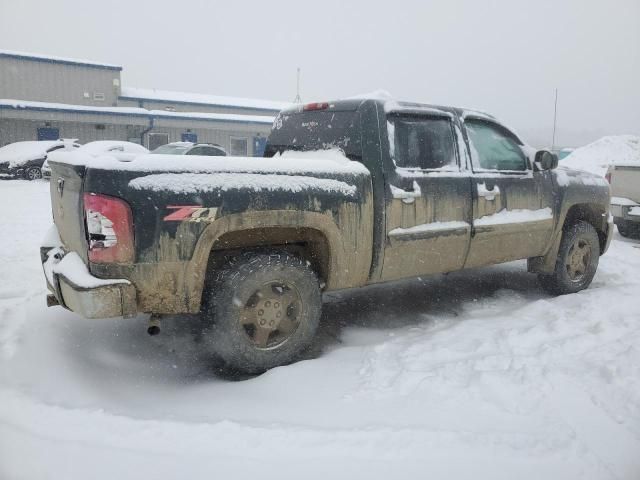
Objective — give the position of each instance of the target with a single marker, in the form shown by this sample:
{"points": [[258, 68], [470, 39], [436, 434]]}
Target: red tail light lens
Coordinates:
{"points": [[315, 106], [109, 229], [608, 176]]}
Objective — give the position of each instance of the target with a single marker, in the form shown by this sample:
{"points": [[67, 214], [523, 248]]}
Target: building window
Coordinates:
{"points": [[98, 96], [238, 147]]}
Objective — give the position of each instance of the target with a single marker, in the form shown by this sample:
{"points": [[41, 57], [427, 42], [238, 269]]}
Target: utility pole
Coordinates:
{"points": [[298, 99], [555, 114]]}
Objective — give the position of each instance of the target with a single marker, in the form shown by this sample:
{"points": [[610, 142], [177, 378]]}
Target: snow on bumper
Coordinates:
{"points": [[76, 289], [625, 209]]}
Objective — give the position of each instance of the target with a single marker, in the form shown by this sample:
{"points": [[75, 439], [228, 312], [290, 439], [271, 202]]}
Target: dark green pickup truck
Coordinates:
{"points": [[350, 193]]}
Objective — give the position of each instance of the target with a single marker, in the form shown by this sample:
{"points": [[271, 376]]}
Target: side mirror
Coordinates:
{"points": [[546, 160]]}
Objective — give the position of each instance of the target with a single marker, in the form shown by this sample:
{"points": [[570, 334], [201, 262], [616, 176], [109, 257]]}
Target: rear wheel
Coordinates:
{"points": [[262, 310], [33, 173], [577, 261]]}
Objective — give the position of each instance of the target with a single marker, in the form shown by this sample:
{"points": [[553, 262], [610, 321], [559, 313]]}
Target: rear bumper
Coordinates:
{"points": [[82, 293], [622, 212]]}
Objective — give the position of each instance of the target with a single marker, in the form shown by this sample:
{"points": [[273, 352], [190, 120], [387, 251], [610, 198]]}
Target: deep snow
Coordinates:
{"points": [[597, 156], [472, 375]]}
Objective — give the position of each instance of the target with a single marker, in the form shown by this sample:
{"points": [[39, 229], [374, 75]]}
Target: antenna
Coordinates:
{"points": [[555, 114], [298, 99]]}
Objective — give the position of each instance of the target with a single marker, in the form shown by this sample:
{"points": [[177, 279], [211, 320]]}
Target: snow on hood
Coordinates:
{"points": [[21, 152], [128, 152], [599, 155]]}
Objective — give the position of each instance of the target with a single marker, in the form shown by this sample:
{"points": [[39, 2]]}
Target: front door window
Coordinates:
{"points": [[494, 148]]}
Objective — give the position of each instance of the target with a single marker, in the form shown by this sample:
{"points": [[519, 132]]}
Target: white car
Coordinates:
{"points": [[27, 159], [123, 151]]}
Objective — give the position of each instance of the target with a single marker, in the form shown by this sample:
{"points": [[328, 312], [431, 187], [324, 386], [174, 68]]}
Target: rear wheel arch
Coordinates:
{"points": [[310, 235]]}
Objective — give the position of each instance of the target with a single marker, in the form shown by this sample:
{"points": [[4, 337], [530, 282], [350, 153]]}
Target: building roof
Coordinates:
{"points": [[168, 96], [133, 111], [61, 60]]}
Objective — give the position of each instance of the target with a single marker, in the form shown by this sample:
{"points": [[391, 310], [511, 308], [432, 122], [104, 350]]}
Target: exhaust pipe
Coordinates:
{"points": [[154, 325]]}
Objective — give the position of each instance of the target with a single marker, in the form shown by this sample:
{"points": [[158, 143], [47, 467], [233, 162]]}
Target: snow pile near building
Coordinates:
{"points": [[597, 156]]}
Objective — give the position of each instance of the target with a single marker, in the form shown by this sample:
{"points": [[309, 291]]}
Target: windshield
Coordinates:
{"points": [[172, 149]]}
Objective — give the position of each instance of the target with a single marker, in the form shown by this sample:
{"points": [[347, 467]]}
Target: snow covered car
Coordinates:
{"points": [[625, 200], [189, 148], [352, 193], [26, 159]]}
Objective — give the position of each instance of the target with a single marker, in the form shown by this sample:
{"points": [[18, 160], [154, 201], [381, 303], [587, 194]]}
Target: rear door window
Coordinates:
{"points": [[425, 143]]}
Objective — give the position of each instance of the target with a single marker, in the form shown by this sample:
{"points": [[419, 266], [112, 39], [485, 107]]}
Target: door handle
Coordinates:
{"points": [[488, 194], [407, 196]]}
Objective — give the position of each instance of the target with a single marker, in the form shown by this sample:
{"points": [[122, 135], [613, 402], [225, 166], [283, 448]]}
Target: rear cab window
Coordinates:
{"points": [[316, 130]]}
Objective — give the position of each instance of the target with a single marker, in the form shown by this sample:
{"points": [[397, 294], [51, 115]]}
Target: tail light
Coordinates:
{"points": [[109, 229], [608, 176], [315, 106]]}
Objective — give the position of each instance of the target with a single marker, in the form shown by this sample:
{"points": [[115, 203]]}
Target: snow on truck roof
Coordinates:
{"points": [[169, 96], [37, 57]]}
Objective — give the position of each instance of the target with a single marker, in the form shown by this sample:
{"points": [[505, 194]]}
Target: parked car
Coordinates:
{"points": [[625, 197], [26, 159], [355, 192], [123, 151], [189, 148]]}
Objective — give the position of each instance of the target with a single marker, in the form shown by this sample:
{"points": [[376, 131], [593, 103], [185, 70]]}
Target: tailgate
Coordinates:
{"points": [[66, 204], [625, 182]]}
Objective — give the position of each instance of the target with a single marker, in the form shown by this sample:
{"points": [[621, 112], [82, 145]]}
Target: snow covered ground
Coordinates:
{"points": [[473, 375]]}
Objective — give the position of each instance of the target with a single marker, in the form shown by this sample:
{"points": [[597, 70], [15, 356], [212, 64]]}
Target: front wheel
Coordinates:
{"points": [[577, 261], [33, 173], [262, 310]]}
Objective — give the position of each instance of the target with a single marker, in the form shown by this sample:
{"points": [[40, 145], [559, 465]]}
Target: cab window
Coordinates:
{"points": [[425, 143], [494, 148]]}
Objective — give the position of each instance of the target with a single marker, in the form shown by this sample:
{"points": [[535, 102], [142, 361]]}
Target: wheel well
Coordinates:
{"points": [[307, 243], [591, 213]]}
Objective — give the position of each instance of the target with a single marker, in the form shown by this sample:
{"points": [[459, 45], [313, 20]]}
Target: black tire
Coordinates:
{"points": [[628, 229], [262, 310], [33, 173], [577, 261]]}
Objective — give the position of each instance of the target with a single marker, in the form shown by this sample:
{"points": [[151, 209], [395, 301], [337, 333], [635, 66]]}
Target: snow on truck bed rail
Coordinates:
{"points": [[289, 163], [208, 182]]}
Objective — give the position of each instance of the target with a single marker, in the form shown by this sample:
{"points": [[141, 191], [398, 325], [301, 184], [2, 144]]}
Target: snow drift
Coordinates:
{"points": [[597, 156]]}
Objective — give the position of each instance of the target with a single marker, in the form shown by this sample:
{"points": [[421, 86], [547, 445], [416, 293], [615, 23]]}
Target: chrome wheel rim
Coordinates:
{"points": [[271, 314], [578, 260], [34, 174]]}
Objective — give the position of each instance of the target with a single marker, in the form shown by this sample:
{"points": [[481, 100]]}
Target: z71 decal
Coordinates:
{"points": [[191, 213]]}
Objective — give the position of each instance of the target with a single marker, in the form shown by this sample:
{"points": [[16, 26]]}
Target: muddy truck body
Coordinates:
{"points": [[349, 193]]}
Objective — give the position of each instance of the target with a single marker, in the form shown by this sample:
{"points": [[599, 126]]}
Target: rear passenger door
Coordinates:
{"points": [[428, 199], [512, 204]]}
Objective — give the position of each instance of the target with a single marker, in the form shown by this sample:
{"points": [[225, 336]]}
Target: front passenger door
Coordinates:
{"points": [[512, 204]]}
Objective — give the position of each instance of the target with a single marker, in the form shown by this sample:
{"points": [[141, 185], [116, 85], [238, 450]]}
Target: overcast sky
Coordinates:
{"points": [[505, 57]]}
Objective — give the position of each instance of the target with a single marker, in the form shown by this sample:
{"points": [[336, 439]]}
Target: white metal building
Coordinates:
{"points": [[44, 97]]}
